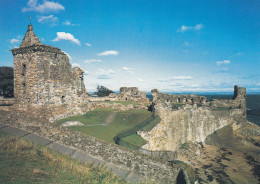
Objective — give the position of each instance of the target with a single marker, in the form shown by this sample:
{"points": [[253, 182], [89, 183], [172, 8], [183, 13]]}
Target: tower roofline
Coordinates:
{"points": [[30, 38], [31, 43]]}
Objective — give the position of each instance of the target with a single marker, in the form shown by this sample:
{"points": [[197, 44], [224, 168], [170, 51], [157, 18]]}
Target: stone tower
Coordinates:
{"points": [[45, 81]]}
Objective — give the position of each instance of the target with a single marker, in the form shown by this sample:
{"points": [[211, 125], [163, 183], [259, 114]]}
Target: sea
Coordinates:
{"points": [[253, 104]]}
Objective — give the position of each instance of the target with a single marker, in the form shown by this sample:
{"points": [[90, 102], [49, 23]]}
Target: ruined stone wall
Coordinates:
{"points": [[190, 123], [184, 99], [132, 94], [193, 122], [110, 97], [238, 101]]}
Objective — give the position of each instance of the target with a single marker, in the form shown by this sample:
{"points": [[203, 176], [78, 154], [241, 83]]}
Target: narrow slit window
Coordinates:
{"points": [[23, 70]]}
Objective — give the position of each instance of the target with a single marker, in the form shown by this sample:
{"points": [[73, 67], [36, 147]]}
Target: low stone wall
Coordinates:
{"points": [[48, 113], [152, 169], [115, 105], [111, 97], [104, 105], [6, 101]]}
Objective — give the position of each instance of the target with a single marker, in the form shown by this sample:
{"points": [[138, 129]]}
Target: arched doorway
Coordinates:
{"points": [[181, 179]]}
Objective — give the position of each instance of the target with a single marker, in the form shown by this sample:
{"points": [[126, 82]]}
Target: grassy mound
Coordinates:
{"points": [[24, 162]]}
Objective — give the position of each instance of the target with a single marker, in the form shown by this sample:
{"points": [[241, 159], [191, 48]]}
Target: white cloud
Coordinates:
{"points": [[127, 69], [108, 52], [46, 6], [184, 28], [190, 28], [48, 19], [198, 27], [68, 23], [88, 61], [140, 80], [182, 77], [67, 55], [187, 44], [88, 44], [105, 74], [13, 41], [258, 84], [223, 62], [66, 36]]}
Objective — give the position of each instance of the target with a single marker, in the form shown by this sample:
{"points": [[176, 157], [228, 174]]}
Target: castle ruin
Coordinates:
{"points": [[191, 118], [44, 82]]}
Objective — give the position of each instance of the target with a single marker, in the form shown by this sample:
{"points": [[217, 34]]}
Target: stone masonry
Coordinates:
{"points": [[44, 81], [192, 118], [132, 94]]}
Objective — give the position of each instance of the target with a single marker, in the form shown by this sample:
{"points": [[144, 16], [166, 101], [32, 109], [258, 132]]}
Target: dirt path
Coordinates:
{"points": [[108, 120]]}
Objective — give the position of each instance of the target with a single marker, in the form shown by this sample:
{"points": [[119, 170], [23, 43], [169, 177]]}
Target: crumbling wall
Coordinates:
{"points": [[238, 101], [193, 123], [184, 99], [132, 94]]}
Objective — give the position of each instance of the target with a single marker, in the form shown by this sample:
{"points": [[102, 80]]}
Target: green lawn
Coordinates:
{"points": [[135, 140], [24, 162], [97, 116], [122, 121]]}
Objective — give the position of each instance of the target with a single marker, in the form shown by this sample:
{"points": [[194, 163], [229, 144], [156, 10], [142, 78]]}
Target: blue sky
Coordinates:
{"points": [[175, 45]]}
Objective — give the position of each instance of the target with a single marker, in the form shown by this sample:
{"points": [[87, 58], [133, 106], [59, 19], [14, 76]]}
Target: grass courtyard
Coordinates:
{"points": [[122, 121]]}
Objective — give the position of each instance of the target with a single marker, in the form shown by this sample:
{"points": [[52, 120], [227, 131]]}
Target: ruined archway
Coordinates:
{"points": [[181, 178]]}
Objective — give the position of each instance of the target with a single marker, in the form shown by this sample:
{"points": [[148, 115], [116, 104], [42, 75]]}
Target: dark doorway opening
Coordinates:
{"points": [[181, 178]]}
